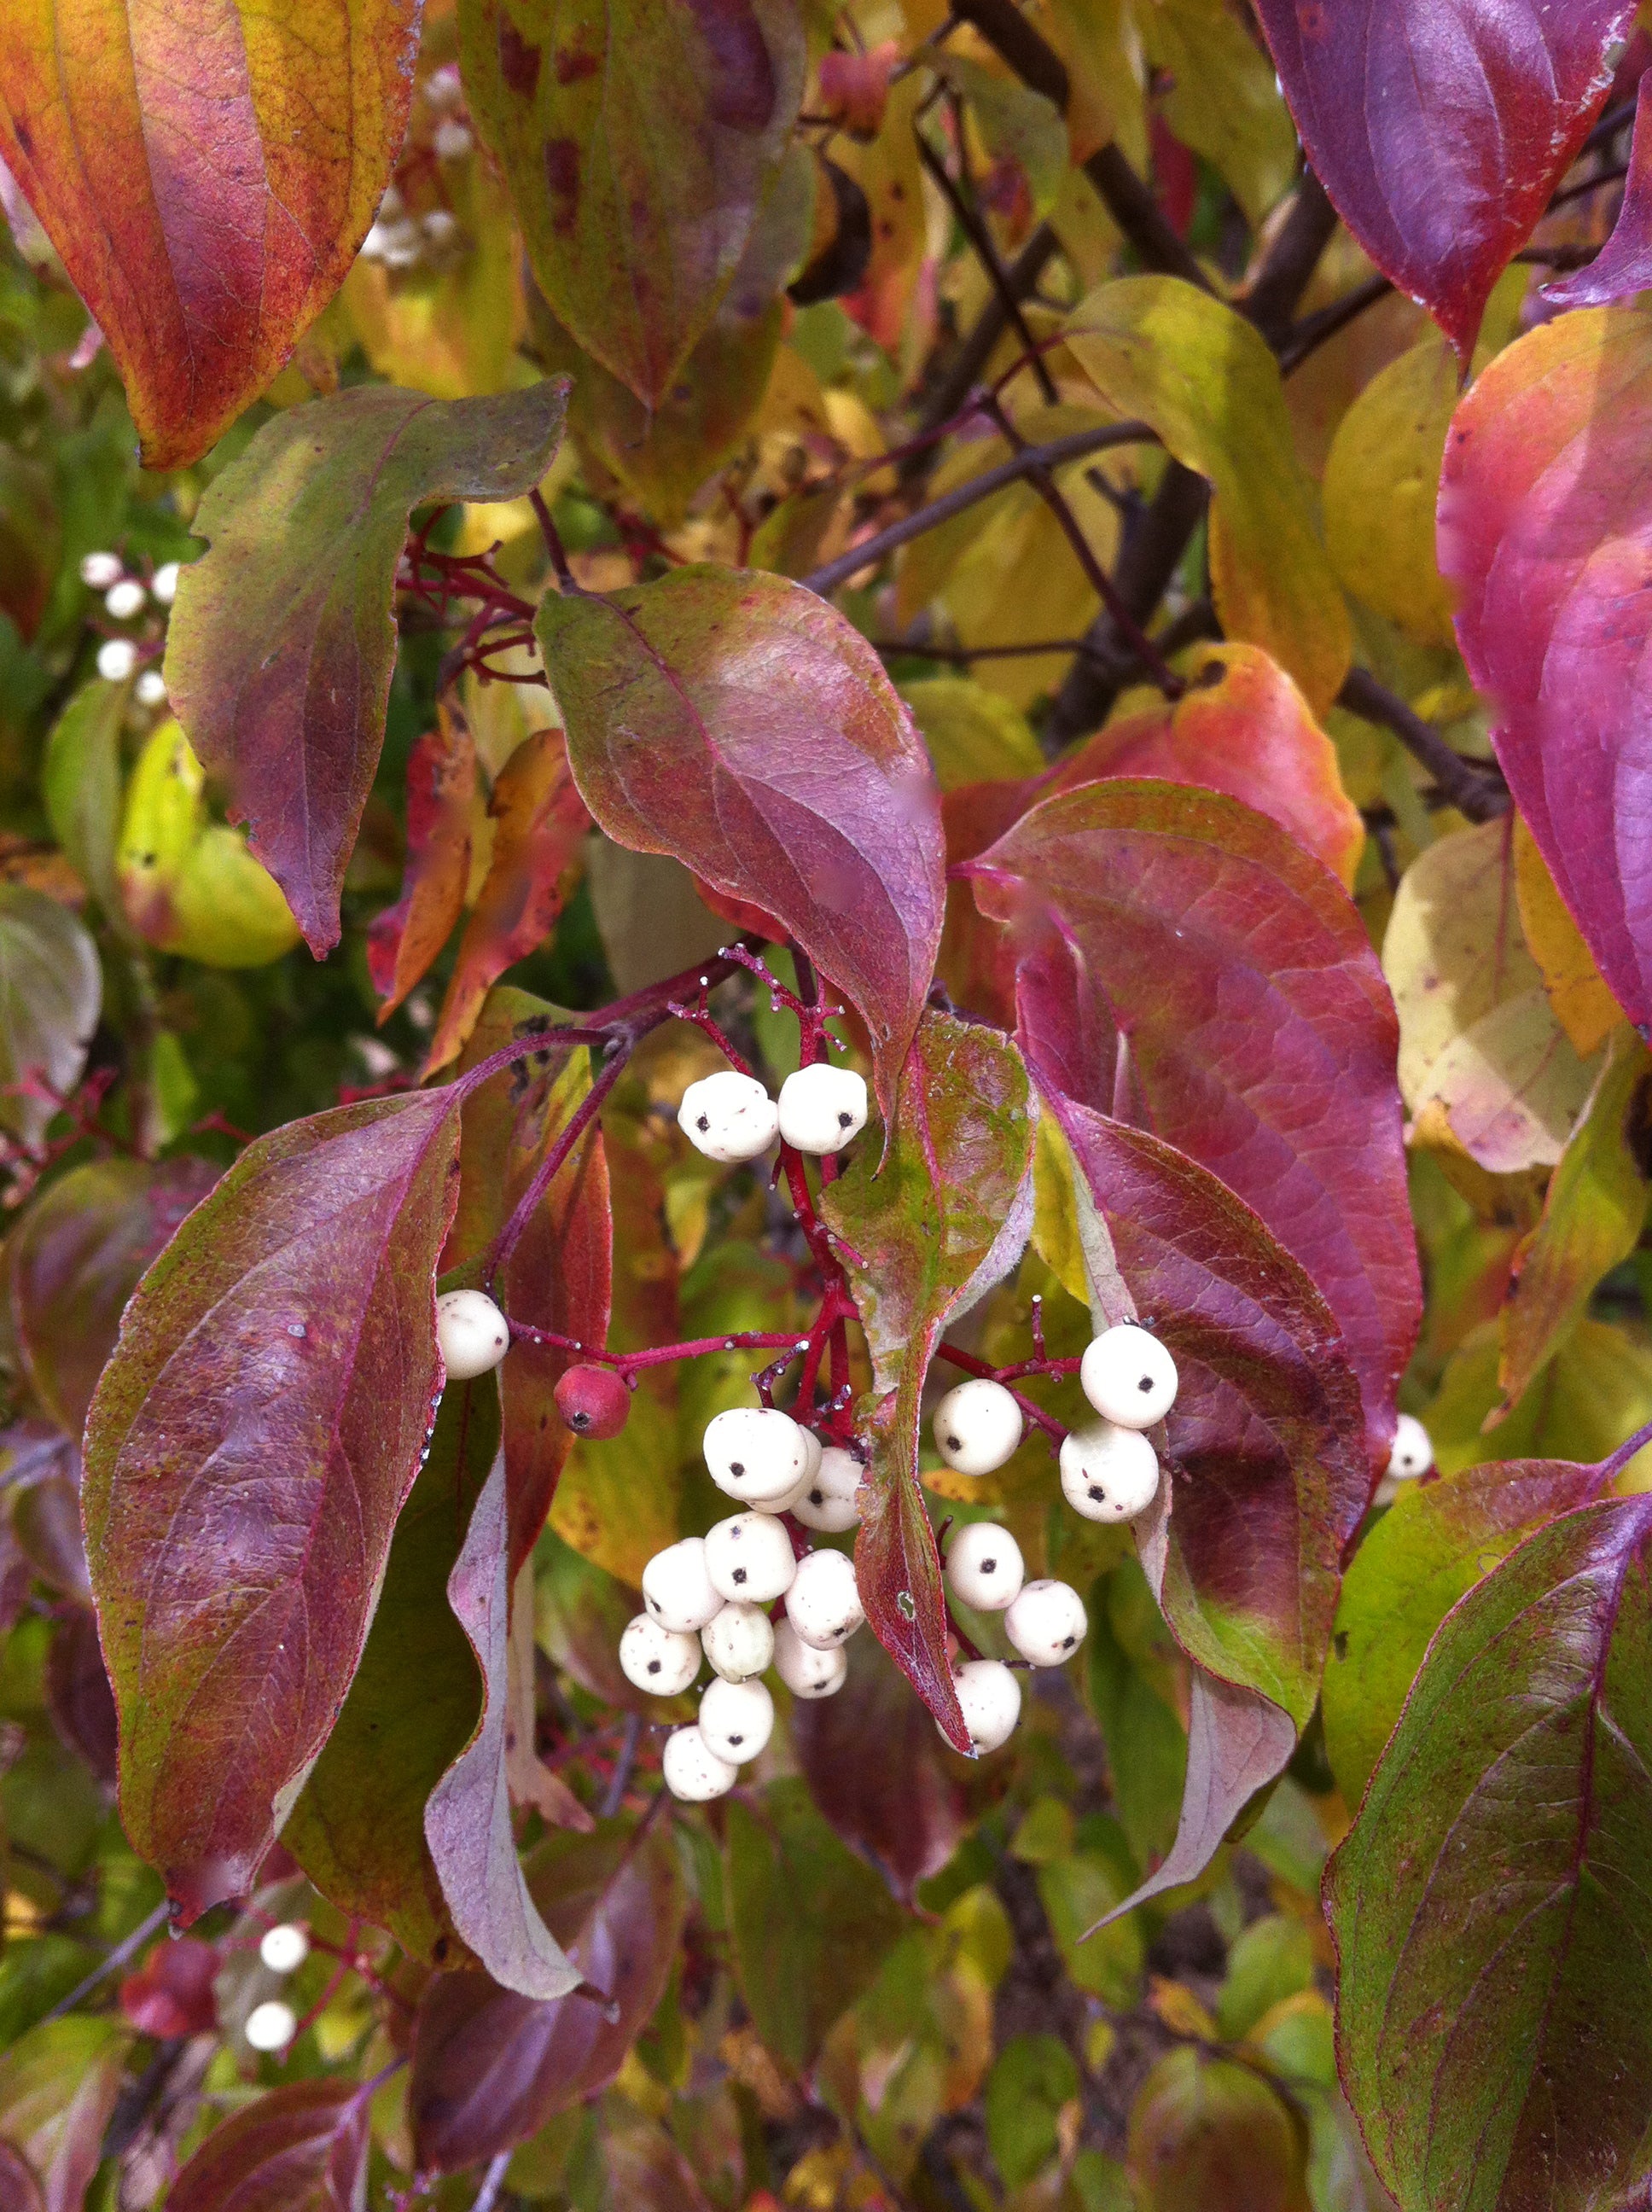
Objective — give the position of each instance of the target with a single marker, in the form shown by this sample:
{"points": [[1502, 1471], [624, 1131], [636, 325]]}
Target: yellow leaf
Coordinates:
{"points": [[1224, 99], [973, 735], [187, 885], [1204, 378], [1379, 490], [451, 325], [1595, 1392], [1583, 1006], [1098, 41]]}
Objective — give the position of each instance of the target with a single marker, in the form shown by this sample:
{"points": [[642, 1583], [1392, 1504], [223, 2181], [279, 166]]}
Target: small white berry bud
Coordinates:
{"points": [[272, 2025], [1128, 1376], [1046, 1623], [984, 1566], [1414, 1449], [662, 1660], [977, 1426], [1108, 1474], [822, 1109], [755, 1453], [807, 1670], [124, 599], [440, 226], [676, 1590], [692, 1769], [750, 1559], [823, 1604], [116, 658], [163, 585], [728, 1117], [828, 1503], [738, 1641], [100, 570], [452, 142], [151, 690], [471, 1335], [989, 1697], [444, 89], [736, 1719], [285, 1949]]}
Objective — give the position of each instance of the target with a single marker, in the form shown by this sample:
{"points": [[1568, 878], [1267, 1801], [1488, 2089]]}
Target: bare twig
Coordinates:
{"points": [[980, 241], [117, 1958], [1475, 788]]}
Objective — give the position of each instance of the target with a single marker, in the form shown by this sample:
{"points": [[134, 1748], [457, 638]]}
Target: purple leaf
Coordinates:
{"points": [[1440, 127], [736, 721], [303, 2147], [1184, 964], [467, 1821], [251, 1445], [1623, 264], [1546, 532]]}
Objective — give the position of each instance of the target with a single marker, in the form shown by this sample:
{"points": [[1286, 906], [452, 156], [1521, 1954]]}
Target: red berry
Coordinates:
{"points": [[594, 1401]]}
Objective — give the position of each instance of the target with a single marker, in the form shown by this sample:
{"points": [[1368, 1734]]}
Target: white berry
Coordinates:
{"points": [[1047, 1622], [1414, 1449], [788, 1501], [755, 1453], [271, 2026], [984, 1566], [116, 658], [100, 570], [444, 89], [452, 142], [163, 585], [692, 1769], [471, 1335], [738, 1641], [1128, 1376], [989, 1697], [151, 690], [822, 1604], [124, 599], [977, 1426], [822, 1108], [807, 1670], [736, 1719], [676, 1588], [829, 1503], [728, 1117], [440, 226], [285, 1949], [749, 1557], [1108, 1474], [660, 1660]]}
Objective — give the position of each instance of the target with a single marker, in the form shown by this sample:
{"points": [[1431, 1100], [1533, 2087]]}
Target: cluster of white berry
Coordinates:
{"points": [[126, 597], [401, 240], [272, 2025], [729, 1116], [709, 1597]]}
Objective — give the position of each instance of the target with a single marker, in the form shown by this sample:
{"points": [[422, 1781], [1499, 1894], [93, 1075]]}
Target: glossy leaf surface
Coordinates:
{"points": [[1493, 2032], [639, 143], [251, 1441], [736, 721], [207, 178], [1440, 130], [300, 2147], [944, 1218], [1623, 264], [1544, 532], [281, 645], [1183, 962]]}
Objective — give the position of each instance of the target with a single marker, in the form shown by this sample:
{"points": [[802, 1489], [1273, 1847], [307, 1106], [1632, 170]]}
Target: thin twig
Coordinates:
{"points": [[494, 2179], [980, 241], [1475, 788], [124, 1950], [619, 1780]]}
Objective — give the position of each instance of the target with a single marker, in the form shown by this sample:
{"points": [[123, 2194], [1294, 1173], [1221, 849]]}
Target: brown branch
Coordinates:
{"points": [[1131, 204], [1475, 788], [1314, 330], [1291, 260], [980, 241], [1029, 53]]}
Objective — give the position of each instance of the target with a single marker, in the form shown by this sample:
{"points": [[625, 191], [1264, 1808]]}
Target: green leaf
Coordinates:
{"points": [[799, 1969], [80, 783], [1495, 2028], [1017, 123], [973, 735], [943, 1218], [58, 2088], [281, 645], [51, 991], [1203, 2128], [640, 144], [1033, 2077], [1271, 1959], [1204, 378]]}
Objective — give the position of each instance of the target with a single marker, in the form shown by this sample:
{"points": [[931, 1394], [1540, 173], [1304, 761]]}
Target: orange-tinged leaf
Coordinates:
{"points": [[538, 821], [207, 171], [1583, 1004], [406, 938], [1242, 727]]}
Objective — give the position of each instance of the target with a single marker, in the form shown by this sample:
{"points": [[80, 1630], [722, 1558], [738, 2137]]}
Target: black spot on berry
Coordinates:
{"points": [[737, 1468], [1098, 1493], [1145, 1385], [1068, 1642], [817, 1497], [737, 1741], [653, 1666], [739, 1574], [952, 1444], [844, 1119], [989, 1567], [702, 1123]]}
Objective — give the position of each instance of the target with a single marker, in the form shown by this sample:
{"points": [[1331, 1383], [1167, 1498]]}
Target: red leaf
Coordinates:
{"points": [[467, 1821], [77, 1693], [1185, 965], [540, 822], [490, 2067], [303, 2147], [736, 721], [1623, 264], [1440, 127], [250, 1446], [170, 1994], [944, 1218], [280, 645], [1546, 532], [19, 2185], [901, 1809], [207, 178], [406, 937]]}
